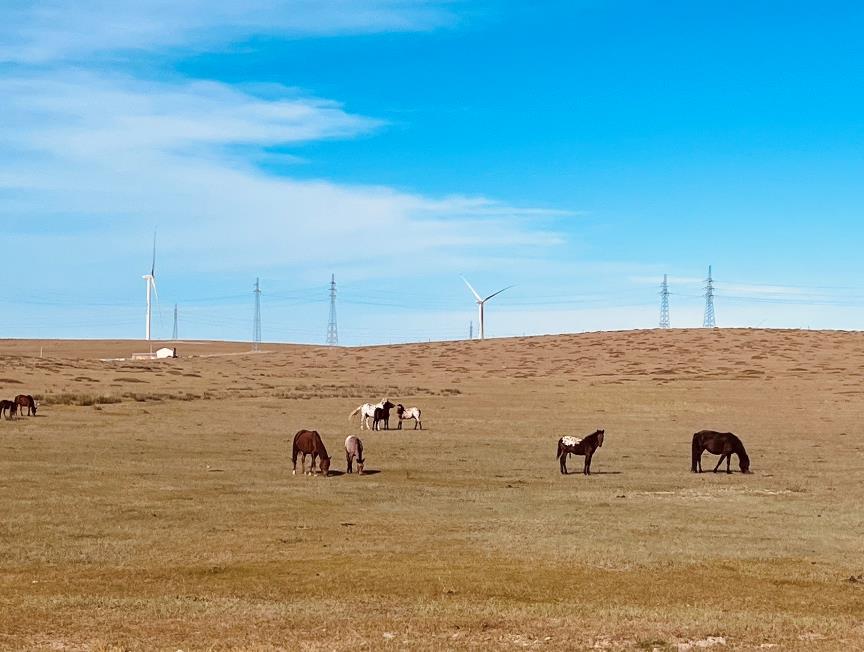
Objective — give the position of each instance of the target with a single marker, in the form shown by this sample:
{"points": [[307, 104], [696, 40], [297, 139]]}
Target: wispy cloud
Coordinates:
{"points": [[80, 145], [73, 30]]}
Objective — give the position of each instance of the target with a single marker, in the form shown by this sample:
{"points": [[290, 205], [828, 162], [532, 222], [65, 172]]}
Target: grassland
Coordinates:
{"points": [[151, 505]]}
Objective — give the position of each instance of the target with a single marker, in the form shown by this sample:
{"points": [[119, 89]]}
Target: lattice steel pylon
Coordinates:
{"points": [[709, 321], [332, 329], [664, 303], [256, 324]]}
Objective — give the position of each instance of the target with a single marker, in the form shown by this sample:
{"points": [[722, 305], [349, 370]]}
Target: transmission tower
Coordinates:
{"points": [[174, 333], [709, 321], [332, 330], [256, 326], [664, 303]]}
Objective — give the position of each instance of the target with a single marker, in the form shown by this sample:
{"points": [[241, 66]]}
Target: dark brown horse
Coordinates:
{"points": [[722, 444], [12, 406], [576, 446], [308, 442], [382, 415], [26, 401]]}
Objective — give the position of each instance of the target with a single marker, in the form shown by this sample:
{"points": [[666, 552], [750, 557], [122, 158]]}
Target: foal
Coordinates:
{"points": [[354, 449]]}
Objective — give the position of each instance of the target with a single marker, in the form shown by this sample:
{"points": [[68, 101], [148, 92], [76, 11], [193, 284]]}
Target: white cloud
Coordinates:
{"points": [[52, 30], [85, 146]]}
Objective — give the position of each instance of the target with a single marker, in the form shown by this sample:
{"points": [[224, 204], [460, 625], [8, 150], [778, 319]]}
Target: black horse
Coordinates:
{"points": [[722, 444], [575, 446], [382, 416]]}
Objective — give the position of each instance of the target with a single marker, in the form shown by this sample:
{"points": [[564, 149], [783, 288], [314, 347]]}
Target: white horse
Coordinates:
{"points": [[367, 411], [408, 413]]}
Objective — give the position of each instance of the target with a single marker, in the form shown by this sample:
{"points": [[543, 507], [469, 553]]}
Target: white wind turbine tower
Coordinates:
{"points": [[482, 302], [150, 279]]}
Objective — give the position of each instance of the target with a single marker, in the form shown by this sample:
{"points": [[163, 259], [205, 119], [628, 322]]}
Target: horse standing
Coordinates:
{"points": [[354, 449], [308, 442], [12, 406], [26, 401], [367, 411], [408, 413], [382, 415], [718, 443], [576, 446]]}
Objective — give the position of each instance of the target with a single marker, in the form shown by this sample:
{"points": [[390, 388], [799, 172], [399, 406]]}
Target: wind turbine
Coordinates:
{"points": [[150, 279], [482, 302]]}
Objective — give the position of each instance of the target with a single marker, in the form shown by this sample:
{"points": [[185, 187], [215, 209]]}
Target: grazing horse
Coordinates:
{"points": [[26, 401], [722, 444], [367, 411], [354, 449], [409, 413], [308, 442], [576, 446], [12, 406], [382, 415]]}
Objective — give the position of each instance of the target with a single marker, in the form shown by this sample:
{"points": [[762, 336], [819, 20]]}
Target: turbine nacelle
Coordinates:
{"points": [[481, 303]]}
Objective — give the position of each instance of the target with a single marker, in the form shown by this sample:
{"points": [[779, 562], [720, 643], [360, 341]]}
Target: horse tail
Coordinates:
{"points": [[560, 449], [696, 449], [360, 407]]}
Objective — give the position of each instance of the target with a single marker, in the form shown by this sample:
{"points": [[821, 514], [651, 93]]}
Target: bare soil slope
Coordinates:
{"points": [[151, 504]]}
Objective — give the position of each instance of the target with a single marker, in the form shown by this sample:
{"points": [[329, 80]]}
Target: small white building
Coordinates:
{"points": [[165, 352]]}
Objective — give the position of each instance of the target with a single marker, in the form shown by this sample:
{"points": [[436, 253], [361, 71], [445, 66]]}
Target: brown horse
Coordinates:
{"points": [[722, 444], [26, 401], [354, 449], [308, 442], [12, 406], [576, 446]]}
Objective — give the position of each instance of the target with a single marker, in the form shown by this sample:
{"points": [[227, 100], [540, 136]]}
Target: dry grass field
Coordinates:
{"points": [[150, 505]]}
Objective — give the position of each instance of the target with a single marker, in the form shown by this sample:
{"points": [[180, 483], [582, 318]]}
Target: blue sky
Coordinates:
{"points": [[579, 150]]}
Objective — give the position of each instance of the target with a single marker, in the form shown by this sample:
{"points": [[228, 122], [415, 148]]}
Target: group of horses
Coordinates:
{"points": [[18, 405], [309, 442], [379, 413], [724, 444]]}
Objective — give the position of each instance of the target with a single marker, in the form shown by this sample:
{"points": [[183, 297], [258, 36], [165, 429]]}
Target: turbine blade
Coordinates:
{"points": [[153, 265], [473, 291], [498, 292]]}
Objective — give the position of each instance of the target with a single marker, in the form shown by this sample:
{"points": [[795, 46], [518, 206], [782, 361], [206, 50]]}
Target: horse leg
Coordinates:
{"points": [[587, 469], [719, 462], [348, 462], [417, 423], [728, 460]]}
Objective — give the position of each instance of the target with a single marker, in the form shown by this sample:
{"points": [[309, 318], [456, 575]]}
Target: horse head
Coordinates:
{"points": [[325, 466], [600, 434], [744, 462], [400, 409], [387, 405]]}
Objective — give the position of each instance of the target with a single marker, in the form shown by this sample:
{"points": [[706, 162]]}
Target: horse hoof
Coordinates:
{"points": [[293, 472]]}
